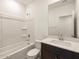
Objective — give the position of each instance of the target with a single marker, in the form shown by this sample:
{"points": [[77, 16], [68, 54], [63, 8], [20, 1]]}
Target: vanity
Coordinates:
{"points": [[62, 23], [59, 50]]}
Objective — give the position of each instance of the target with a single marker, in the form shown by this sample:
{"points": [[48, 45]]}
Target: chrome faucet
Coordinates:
{"points": [[60, 36]]}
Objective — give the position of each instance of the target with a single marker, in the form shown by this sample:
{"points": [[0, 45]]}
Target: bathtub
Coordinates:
{"points": [[16, 51]]}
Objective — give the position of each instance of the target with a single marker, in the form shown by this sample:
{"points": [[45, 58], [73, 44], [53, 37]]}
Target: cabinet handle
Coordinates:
{"points": [[56, 57]]}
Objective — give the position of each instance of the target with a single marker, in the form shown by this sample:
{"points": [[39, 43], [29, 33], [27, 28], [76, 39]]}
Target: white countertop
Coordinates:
{"points": [[74, 47]]}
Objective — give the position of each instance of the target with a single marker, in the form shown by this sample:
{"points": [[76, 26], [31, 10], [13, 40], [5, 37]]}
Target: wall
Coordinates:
{"points": [[52, 1], [54, 22], [0, 33], [77, 13], [38, 10], [11, 7], [30, 24], [13, 31], [12, 22], [10, 12]]}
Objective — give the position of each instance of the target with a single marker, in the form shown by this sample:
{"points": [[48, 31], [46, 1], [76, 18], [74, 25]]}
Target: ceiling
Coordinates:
{"points": [[24, 2], [61, 2]]}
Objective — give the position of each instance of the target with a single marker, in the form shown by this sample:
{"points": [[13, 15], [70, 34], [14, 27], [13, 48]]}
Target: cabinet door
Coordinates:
{"points": [[46, 53], [66, 55]]}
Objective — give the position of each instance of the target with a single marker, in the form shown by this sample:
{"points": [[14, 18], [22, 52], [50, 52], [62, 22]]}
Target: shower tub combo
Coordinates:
{"points": [[16, 51]]}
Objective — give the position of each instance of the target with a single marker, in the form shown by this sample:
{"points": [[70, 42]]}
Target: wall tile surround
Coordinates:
{"points": [[11, 30]]}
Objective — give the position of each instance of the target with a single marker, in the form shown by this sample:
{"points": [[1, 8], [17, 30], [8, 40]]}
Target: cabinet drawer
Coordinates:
{"points": [[47, 47], [51, 48]]}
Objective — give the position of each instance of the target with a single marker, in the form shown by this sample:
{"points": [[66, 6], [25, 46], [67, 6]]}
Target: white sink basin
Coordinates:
{"points": [[59, 42]]}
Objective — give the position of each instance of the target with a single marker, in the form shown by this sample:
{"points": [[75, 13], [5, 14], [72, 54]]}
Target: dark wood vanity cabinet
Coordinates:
{"points": [[52, 52]]}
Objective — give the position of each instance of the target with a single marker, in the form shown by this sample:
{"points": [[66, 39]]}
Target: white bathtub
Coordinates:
{"points": [[16, 51]]}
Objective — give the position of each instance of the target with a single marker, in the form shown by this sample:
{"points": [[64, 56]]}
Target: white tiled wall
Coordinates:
{"points": [[30, 24], [11, 31]]}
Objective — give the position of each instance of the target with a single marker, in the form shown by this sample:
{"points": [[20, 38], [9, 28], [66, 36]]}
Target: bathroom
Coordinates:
{"points": [[39, 29]]}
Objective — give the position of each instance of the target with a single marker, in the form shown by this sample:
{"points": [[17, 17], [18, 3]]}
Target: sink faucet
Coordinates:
{"points": [[60, 36]]}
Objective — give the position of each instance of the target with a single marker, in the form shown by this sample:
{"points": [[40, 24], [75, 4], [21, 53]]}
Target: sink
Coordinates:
{"points": [[59, 42]]}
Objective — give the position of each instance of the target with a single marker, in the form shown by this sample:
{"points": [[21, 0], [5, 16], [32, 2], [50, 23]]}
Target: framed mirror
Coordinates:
{"points": [[62, 19]]}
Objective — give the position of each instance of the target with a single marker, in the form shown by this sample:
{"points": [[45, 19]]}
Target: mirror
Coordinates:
{"points": [[62, 19]]}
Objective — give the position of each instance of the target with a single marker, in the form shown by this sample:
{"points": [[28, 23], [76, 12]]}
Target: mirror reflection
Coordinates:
{"points": [[62, 18]]}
